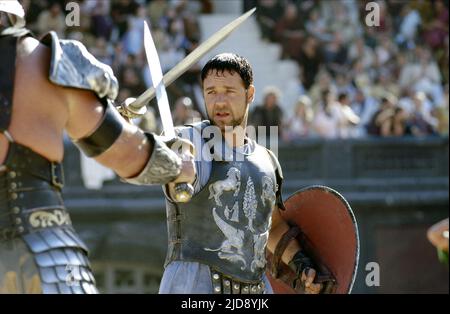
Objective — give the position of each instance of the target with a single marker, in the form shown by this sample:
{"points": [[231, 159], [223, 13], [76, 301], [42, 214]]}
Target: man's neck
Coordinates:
{"points": [[235, 137]]}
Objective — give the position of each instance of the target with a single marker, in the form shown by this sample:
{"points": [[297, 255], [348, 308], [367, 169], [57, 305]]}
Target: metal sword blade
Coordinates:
{"points": [[157, 82]]}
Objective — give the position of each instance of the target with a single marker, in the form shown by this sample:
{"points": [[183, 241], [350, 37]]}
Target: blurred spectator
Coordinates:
{"points": [[384, 84], [289, 32], [327, 120], [184, 112], [348, 120], [361, 78], [52, 19], [381, 123], [120, 11], [292, 90], [436, 30], [335, 55], [344, 17], [322, 83], [316, 26], [176, 35], [385, 51], [101, 22], [299, 126], [424, 8], [267, 14], [134, 37], [441, 114], [156, 10], [400, 126], [269, 113], [421, 122], [364, 107], [32, 11], [191, 84], [422, 74], [409, 27], [360, 51], [309, 59], [344, 85]]}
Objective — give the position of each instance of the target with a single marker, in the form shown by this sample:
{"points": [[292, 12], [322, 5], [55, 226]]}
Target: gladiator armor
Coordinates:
{"points": [[31, 207], [226, 225], [73, 66]]}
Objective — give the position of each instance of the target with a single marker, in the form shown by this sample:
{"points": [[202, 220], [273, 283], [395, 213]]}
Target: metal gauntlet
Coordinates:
{"points": [[164, 165]]}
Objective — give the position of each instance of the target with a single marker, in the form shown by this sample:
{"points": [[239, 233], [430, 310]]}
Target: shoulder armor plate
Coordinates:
{"points": [[73, 66]]}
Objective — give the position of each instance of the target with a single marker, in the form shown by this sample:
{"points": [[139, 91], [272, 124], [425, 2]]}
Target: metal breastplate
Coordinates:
{"points": [[226, 225]]}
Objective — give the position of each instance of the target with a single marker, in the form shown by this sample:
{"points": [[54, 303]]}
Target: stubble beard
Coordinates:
{"points": [[241, 122]]}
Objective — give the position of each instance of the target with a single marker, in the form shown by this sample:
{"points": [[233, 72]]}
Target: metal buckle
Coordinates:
{"points": [[57, 175]]}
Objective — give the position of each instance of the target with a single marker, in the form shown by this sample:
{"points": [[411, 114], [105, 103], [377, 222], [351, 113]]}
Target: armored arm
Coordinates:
{"points": [[113, 142]]}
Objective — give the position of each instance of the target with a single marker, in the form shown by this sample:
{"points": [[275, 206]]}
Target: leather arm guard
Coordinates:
{"points": [[107, 132], [291, 273], [282, 244], [163, 167]]}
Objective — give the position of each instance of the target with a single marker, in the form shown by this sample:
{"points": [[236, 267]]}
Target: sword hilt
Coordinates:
{"points": [[183, 192], [129, 112]]}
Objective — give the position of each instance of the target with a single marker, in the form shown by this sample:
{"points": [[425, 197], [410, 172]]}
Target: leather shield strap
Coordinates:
{"points": [[104, 136], [292, 233]]}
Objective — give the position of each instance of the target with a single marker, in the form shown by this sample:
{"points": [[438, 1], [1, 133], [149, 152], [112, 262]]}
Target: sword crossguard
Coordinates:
{"points": [[128, 111]]}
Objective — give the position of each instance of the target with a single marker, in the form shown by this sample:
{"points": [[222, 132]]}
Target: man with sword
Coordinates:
{"points": [[47, 88], [218, 237]]}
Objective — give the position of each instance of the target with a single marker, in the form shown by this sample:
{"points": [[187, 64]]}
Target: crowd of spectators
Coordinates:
{"points": [[361, 79], [358, 79], [113, 31]]}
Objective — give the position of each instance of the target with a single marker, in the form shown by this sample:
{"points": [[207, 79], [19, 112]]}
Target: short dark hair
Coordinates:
{"points": [[232, 63]]}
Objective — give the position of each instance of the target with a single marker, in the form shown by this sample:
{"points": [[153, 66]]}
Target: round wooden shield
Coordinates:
{"points": [[329, 235]]}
